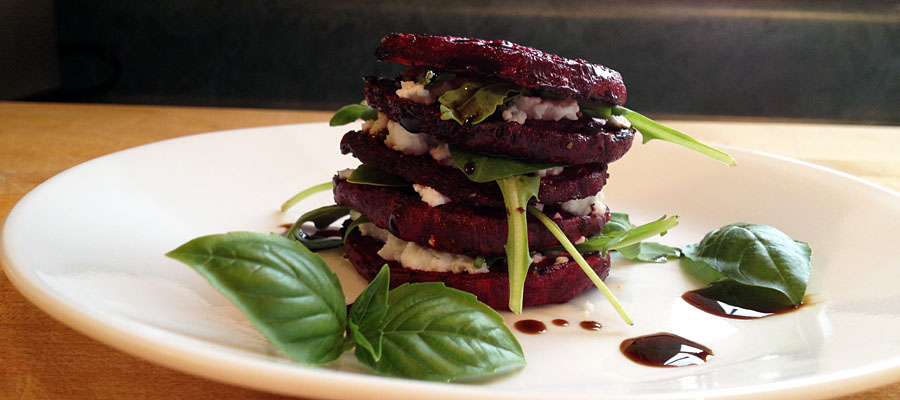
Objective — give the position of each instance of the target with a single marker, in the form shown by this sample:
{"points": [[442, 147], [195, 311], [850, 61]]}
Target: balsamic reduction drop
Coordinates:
{"points": [[700, 299], [590, 325], [469, 168], [665, 350], [530, 326], [560, 322]]}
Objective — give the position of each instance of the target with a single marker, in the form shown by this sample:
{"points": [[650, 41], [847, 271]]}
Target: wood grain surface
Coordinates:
{"points": [[43, 359]]}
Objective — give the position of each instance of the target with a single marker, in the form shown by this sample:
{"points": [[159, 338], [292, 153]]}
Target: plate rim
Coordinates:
{"points": [[141, 344]]}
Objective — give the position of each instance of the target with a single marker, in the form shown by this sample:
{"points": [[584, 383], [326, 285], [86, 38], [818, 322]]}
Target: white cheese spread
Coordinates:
{"points": [[589, 205], [525, 107], [414, 256], [430, 195]]}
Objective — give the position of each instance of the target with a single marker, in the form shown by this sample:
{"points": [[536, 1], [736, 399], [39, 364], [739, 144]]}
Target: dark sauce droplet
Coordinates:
{"points": [[560, 322], [697, 298], [469, 168], [530, 326], [590, 325], [665, 350]]}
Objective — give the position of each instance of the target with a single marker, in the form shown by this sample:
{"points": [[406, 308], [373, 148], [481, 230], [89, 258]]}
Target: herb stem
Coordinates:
{"points": [[567, 244], [306, 193]]}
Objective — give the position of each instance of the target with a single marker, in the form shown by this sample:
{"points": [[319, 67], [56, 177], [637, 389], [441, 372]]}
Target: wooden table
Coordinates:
{"points": [[43, 359]]}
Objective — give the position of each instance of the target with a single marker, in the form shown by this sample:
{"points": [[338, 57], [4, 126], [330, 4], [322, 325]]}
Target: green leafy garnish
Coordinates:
{"points": [[567, 244], [367, 315], [617, 240], [642, 251], [437, 333], [353, 112], [752, 262], [306, 193], [473, 102], [421, 331], [481, 167], [321, 217], [285, 290], [517, 191], [355, 224], [651, 129], [369, 175]]}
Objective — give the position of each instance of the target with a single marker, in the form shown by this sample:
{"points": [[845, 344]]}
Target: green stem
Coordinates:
{"points": [[567, 244], [306, 193]]}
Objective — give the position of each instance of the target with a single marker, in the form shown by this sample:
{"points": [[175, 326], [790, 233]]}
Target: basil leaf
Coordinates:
{"points": [[473, 102], [758, 256], [321, 217], [367, 314], [436, 333], [573, 252], [651, 129], [517, 191], [481, 167], [369, 175], [285, 290], [353, 112]]}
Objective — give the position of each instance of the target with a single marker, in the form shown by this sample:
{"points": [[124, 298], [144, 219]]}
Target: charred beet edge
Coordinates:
{"points": [[547, 283], [453, 228], [568, 142], [575, 182], [499, 59]]}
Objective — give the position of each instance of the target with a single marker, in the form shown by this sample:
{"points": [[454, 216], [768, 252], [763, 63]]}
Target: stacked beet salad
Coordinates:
{"points": [[464, 150]]}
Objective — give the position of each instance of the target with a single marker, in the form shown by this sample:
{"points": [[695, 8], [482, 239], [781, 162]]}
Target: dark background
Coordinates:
{"points": [[811, 60]]}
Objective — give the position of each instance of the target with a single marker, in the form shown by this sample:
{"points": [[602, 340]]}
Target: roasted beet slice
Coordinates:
{"points": [[453, 227], [575, 182], [500, 59], [569, 142], [546, 283]]}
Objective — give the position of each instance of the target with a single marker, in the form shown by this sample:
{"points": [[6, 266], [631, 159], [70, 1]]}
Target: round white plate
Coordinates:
{"points": [[88, 246]]}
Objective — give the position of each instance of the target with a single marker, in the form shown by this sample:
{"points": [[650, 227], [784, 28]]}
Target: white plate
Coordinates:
{"points": [[87, 247]]}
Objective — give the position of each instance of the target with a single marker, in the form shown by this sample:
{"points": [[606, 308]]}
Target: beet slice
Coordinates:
{"points": [[546, 283]]}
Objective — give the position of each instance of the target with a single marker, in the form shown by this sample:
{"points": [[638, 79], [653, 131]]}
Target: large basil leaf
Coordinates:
{"points": [[473, 102], [353, 112], [651, 129], [321, 217], [367, 314], [758, 256], [285, 290], [517, 191], [436, 333], [481, 167]]}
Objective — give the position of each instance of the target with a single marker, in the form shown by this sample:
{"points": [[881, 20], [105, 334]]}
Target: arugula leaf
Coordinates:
{"points": [[355, 224], [473, 102], [368, 175], [481, 167], [306, 193], [353, 112], [643, 251], [613, 240], [321, 217], [285, 290], [758, 256], [576, 255], [436, 333], [595, 109], [651, 129], [367, 314], [517, 191]]}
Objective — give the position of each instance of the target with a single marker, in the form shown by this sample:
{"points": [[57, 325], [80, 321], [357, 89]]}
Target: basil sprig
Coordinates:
{"points": [[755, 265], [296, 301]]}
